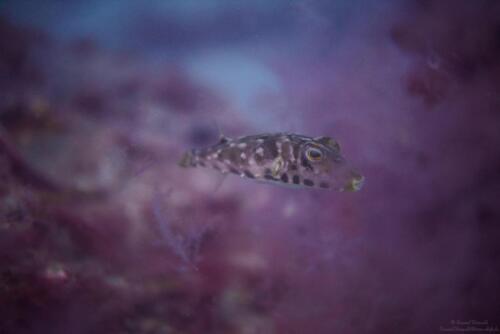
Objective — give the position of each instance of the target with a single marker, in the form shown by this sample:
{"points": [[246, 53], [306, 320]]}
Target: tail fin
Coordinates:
{"points": [[187, 159]]}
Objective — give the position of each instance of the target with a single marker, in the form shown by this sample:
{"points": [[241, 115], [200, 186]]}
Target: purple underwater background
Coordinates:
{"points": [[102, 232]]}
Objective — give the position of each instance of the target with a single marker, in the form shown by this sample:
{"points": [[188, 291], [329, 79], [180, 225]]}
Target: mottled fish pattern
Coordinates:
{"points": [[281, 158]]}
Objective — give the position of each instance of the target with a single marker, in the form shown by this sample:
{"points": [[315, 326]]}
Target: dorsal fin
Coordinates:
{"points": [[222, 138]]}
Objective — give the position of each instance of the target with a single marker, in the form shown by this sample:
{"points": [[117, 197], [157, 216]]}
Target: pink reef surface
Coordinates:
{"points": [[102, 232]]}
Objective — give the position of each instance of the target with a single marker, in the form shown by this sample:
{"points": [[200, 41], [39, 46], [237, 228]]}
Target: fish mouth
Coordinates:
{"points": [[355, 184], [345, 178]]}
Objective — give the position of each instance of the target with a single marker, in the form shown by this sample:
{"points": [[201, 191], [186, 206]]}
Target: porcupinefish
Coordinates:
{"points": [[281, 158]]}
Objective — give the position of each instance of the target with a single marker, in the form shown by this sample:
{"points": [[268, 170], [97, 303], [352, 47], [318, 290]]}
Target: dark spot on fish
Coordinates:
{"points": [[324, 185], [234, 154], [248, 174], [201, 163], [285, 149], [258, 158], [296, 179], [293, 167], [296, 153], [308, 183], [270, 150], [284, 177], [306, 164], [216, 167], [234, 170], [269, 177]]}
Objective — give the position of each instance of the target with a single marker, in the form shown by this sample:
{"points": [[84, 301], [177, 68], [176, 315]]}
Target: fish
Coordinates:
{"points": [[280, 158]]}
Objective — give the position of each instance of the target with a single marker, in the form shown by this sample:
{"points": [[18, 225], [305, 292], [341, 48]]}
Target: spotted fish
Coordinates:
{"points": [[281, 158]]}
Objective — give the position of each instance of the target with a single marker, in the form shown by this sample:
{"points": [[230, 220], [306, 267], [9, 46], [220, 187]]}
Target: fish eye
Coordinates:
{"points": [[314, 154]]}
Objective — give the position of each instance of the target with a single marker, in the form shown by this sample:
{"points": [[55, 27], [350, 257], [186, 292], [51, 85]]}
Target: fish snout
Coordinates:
{"points": [[355, 183]]}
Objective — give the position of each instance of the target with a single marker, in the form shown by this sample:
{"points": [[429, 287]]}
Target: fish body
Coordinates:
{"points": [[281, 158]]}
